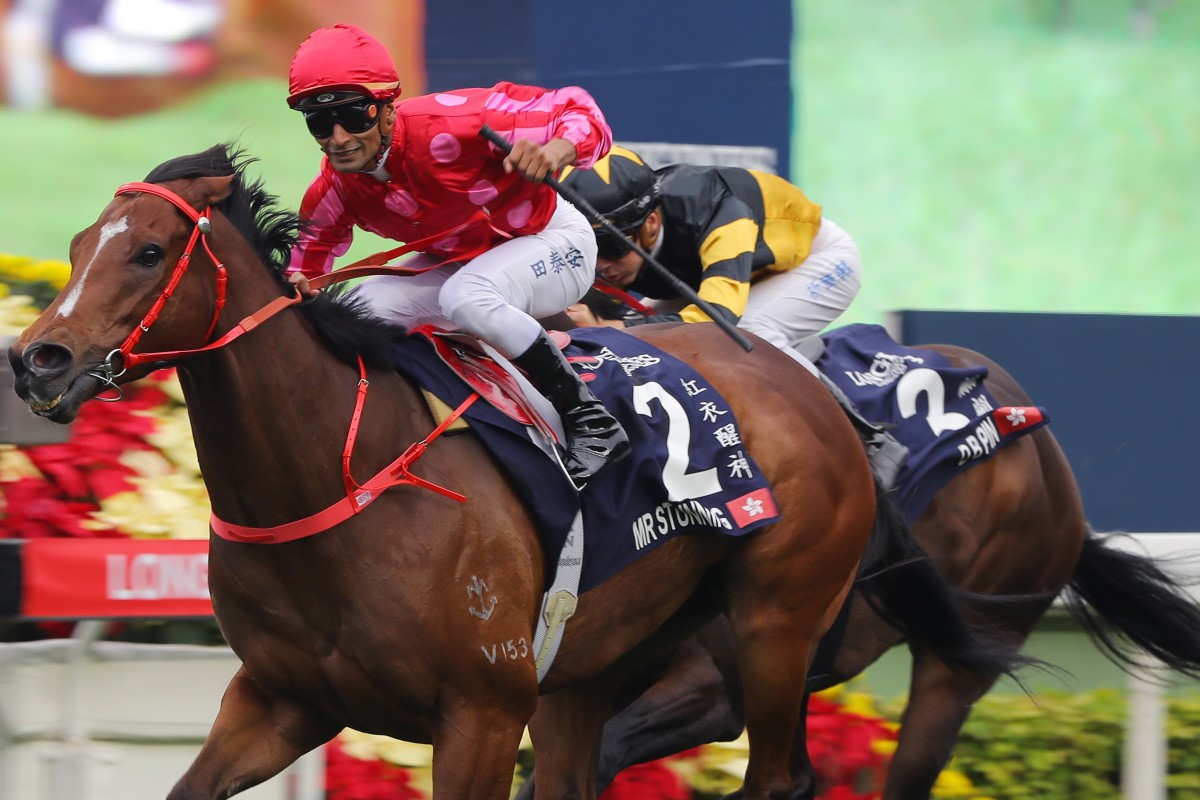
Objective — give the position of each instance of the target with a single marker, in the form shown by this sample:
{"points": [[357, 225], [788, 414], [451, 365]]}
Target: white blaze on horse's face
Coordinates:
{"points": [[107, 232]]}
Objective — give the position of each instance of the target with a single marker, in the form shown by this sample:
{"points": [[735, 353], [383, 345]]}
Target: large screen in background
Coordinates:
{"points": [[682, 81]]}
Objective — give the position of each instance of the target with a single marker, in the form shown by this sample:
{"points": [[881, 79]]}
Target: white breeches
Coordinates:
{"points": [[787, 307], [499, 295]]}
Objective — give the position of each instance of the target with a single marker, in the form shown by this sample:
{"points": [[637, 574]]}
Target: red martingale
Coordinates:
{"points": [[358, 496]]}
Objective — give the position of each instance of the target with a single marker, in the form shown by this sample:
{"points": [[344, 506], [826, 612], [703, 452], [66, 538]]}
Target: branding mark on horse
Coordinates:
{"points": [[509, 651], [476, 591]]}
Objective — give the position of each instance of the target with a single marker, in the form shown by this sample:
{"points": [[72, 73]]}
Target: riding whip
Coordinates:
{"points": [[596, 218]]}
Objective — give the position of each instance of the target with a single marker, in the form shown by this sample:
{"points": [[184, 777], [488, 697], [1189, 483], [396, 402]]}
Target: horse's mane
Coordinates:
{"points": [[341, 320]]}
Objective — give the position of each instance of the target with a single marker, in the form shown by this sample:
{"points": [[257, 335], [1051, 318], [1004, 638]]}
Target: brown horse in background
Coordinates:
{"points": [[368, 624], [1012, 528]]}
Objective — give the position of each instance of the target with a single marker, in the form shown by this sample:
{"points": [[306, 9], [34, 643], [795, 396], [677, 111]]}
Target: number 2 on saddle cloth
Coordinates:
{"points": [[689, 470]]}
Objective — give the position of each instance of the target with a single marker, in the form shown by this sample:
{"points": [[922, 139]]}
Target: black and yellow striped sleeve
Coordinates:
{"points": [[727, 262]]}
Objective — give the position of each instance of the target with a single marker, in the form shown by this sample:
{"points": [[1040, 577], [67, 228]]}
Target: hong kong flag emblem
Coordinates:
{"points": [[754, 507], [1011, 419]]}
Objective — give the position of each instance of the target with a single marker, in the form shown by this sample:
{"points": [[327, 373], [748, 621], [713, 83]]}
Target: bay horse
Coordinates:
{"points": [[1013, 527], [368, 624]]}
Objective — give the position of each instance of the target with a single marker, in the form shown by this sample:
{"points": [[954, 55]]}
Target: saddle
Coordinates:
{"points": [[491, 376]]}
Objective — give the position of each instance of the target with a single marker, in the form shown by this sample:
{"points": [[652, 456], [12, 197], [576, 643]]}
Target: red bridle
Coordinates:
{"points": [[358, 496], [372, 265], [107, 372], [203, 226]]}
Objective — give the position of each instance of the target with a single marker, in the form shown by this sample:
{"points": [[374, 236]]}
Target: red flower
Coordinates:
{"points": [[35, 509], [349, 778], [82, 471], [651, 781], [841, 748]]}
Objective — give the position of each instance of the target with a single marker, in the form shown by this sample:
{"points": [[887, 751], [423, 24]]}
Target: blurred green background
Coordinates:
{"points": [[985, 154]]}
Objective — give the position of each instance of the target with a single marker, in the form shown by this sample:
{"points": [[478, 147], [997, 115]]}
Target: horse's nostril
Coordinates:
{"points": [[46, 360]]}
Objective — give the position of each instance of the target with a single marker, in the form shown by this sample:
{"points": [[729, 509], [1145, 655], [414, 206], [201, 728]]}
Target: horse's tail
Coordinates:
{"points": [[904, 587], [1114, 591]]}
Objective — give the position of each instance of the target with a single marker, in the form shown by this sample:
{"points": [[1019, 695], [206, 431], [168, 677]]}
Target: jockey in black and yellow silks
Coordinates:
{"points": [[750, 243]]}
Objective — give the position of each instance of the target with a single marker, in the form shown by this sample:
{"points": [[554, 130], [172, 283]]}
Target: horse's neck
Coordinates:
{"points": [[270, 414]]}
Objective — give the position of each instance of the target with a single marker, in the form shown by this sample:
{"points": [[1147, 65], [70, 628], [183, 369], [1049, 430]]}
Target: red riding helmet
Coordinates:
{"points": [[334, 65]]}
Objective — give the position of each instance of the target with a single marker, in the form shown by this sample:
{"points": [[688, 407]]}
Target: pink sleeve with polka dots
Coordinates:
{"points": [[541, 115], [328, 233]]}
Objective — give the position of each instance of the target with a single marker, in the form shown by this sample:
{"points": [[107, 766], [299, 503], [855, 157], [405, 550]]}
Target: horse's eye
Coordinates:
{"points": [[150, 256]]}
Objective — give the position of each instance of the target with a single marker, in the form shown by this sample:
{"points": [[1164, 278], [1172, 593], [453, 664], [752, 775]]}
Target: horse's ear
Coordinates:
{"points": [[215, 189]]}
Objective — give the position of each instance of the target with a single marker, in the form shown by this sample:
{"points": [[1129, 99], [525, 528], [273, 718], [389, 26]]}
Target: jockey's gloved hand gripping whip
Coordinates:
{"points": [[596, 218]]}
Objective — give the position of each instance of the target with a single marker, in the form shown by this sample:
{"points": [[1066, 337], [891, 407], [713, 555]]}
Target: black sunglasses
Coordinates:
{"points": [[612, 246], [358, 117]]}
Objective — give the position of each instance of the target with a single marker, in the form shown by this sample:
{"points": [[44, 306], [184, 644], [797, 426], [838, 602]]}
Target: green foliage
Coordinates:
{"points": [[1060, 746], [1183, 733]]}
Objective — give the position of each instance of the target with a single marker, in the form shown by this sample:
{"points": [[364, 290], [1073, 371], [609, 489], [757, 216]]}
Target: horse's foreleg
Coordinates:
{"points": [[255, 736], [939, 702], [805, 786], [565, 731], [698, 700], [475, 748]]}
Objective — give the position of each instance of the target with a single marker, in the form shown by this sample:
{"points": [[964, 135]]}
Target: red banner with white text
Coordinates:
{"points": [[107, 578]]}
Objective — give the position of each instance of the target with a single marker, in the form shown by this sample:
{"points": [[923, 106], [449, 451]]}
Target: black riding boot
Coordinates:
{"points": [[594, 437], [887, 455]]}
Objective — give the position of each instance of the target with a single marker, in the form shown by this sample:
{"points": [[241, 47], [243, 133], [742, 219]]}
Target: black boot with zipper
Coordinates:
{"points": [[594, 437]]}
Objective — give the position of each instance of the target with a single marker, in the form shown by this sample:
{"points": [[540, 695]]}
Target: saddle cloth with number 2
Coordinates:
{"points": [[689, 470]]}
